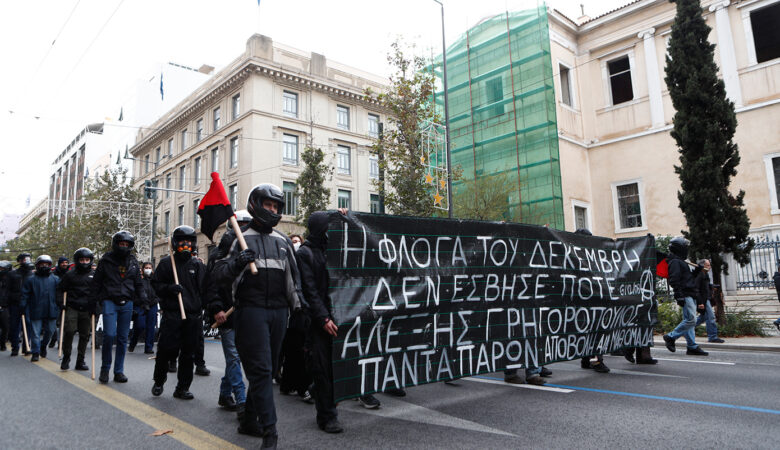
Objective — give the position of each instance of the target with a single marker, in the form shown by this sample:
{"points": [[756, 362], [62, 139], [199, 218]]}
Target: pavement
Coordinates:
{"points": [[748, 343]]}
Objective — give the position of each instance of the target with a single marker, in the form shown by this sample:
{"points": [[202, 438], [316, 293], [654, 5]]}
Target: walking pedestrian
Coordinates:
{"points": [[39, 303], [17, 277], [704, 302], [145, 316], [684, 285], [76, 284], [5, 296]]}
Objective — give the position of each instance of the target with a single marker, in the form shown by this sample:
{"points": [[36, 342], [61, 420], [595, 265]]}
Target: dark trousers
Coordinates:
{"points": [[197, 356], [177, 337], [76, 320], [294, 374], [144, 326], [259, 335], [319, 348], [4, 323], [15, 327]]}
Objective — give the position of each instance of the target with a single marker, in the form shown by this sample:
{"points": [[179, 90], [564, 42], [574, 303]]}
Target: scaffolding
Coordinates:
{"points": [[502, 112]]}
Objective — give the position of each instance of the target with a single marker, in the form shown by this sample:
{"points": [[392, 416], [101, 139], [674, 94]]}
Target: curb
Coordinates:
{"points": [[726, 346]]}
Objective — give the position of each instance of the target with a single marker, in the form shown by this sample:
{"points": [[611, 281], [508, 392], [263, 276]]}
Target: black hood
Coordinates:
{"points": [[318, 229]]}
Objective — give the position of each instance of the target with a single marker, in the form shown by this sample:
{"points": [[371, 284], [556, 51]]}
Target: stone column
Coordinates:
{"points": [[728, 58], [653, 78]]}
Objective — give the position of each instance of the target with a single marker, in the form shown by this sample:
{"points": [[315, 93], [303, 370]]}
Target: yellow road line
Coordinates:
{"points": [[183, 432]]}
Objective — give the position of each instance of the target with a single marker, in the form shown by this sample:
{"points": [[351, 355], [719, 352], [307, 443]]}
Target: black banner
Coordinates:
{"points": [[424, 300]]}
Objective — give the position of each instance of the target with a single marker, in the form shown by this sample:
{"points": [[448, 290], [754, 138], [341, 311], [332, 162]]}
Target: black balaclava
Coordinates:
{"points": [[318, 229]]}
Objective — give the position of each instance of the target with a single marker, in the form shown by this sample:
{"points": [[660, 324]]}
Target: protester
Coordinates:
{"points": [[5, 295], [39, 303], [145, 316], [76, 284], [704, 302], [179, 336], [684, 285], [23, 271], [586, 362], [63, 266], [116, 285], [297, 240], [262, 304]]}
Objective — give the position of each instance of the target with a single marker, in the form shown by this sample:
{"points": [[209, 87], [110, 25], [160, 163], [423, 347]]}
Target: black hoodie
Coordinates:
{"points": [[312, 265]]}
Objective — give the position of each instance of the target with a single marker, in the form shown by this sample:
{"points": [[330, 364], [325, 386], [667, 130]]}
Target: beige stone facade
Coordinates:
{"points": [[250, 123], [615, 146]]}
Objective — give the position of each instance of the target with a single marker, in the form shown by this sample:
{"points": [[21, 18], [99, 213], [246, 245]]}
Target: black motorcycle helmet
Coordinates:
{"points": [[43, 265], [184, 233], [254, 204], [584, 231], [679, 247], [5, 267], [120, 236], [83, 252], [242, 217]]}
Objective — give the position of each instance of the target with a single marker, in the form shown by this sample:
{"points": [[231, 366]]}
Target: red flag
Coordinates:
{"points": [[661, 268], [214, 208]]}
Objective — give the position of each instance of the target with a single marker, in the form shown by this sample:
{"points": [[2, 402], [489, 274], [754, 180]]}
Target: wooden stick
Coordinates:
{"points": [[26, 339], [62, 325], [227, 314], [176, 280], [242, 242], [93, 346]]}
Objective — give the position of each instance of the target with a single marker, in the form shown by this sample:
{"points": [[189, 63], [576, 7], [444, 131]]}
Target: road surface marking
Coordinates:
{"points": [[183, 432], [697, 361], [490, 380]]}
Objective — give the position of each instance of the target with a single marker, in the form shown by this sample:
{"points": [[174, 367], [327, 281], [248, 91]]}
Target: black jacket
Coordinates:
{"points": [[315, 282], [78, 285], [704, 292], [681, 278], [5, 289], [151, 295], [118, 279], [192, 274], [218, 296], [16, 279], [277, 283]]}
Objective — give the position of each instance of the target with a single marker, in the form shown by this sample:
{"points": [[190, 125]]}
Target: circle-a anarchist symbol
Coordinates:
{"points": [[647, 286]]}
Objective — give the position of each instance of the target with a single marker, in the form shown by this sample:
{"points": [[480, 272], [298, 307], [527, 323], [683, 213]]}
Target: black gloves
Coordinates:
{"points": [[176, 289], [243, 258]]}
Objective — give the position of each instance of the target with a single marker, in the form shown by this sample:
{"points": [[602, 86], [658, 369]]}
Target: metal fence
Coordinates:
{"points": [[764, 260]]}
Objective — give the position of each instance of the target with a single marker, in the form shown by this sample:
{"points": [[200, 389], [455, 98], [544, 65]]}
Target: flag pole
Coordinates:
{"points": [[24, 329], [242, 242], [62, 325], [176, 280]]}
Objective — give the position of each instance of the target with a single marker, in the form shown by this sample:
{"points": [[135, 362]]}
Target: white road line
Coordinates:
{"points": [[698, 361], [523, 386]]}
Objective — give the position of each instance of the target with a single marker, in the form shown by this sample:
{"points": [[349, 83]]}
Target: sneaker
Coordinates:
{"points": [[120, 378], [80, 365], [545, 372], [182, 394], [157, 390], [149, 352], [629, 355], [368, 401], [716, 341], [536, 380], [227, 403], [696, 351], [3, 348], [270, 437], [172, 366], [131, 348], [585, 363], [202, 371], [513, 379], [669, 343], [65, 365], [307, 397], [332, 426], [43, 351], [396, 392], [14, 352], [647, 361], [103, 378], [250, 428], [600, 367], [34, 357]]}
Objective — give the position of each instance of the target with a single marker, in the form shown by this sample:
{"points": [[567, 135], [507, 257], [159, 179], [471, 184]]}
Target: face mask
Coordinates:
{"points": [[296, 245], [148, 272], [43, 270]]}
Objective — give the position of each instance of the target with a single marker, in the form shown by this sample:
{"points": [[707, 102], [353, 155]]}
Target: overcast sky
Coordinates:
{"points": [[68, 63]]}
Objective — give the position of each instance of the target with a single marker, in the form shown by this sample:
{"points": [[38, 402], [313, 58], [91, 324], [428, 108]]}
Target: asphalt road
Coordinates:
{"points": [[730, 399]]}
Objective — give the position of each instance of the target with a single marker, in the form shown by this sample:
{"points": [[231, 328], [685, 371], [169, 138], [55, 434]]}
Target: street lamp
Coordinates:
{"points": [[446, 113], [154, 200]]}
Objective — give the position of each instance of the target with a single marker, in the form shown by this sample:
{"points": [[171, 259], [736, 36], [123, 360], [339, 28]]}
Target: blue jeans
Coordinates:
{"points": [[686, 327], [709, 317], [116, 325], [40, 326], [144, 326], [233, 381]]}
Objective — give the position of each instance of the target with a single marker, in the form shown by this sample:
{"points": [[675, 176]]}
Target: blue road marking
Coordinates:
{"points": [[658, 397]]}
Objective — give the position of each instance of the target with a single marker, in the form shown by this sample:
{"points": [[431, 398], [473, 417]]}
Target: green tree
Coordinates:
{"points": [[409, 106], [704, 125], [485, 198], [310, 189]]}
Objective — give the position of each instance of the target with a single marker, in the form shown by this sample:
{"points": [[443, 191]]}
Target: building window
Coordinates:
{"points": [[342, 117], [236, 106], [182, 177], [181, 215], [168, 185], [766, 35], [290, 150], [170, 146], [581, 217], [344, 163], [195, 216], [629, 206], [620, 80], [373, 166], [566, 84], [196, 171], [217, 118], [199, 130], [146, 164], [494, 91], [290, 104], [157, 155], [376, 204], [373, 125], [234, 152], [290, 200], [215, 160], [345, 199], [183, 140], [772, 163], [233, 194], [167, 223]]}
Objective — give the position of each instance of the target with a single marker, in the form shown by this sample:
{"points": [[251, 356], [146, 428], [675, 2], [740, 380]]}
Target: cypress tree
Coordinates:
{"points": [[704, 125], [310, 189]]}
